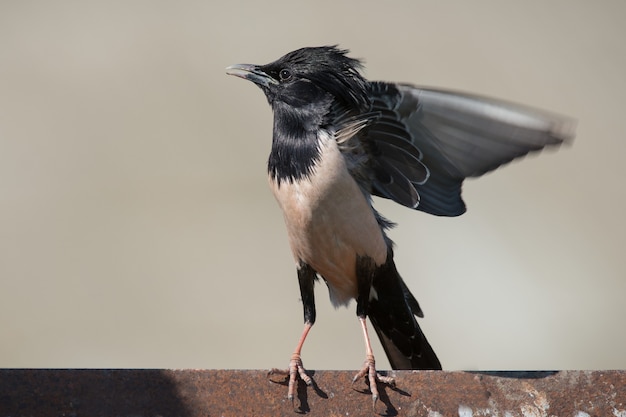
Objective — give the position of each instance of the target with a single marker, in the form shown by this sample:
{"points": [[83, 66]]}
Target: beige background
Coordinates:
{"points": [[137, 230]]}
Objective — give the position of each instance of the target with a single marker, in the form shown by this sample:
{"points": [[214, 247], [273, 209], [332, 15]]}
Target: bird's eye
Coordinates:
{"points": [[284, 74]]}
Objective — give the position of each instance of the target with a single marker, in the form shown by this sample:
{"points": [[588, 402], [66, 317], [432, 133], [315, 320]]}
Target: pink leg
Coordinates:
{"points": [[369, 367], [295, 365]]}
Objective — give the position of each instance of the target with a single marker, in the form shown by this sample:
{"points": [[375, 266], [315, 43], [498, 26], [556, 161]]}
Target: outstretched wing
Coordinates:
{"points": [[427, 141]]}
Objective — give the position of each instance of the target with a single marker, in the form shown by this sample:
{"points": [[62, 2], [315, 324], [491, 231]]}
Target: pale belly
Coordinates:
{"points": [[329, 222]]}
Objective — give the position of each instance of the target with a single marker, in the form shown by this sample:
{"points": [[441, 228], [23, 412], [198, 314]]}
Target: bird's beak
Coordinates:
{"points": [[252, 73]]}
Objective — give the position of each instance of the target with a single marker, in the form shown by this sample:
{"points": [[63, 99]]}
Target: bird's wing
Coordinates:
{"points": [[380, 151], [426, 141]]}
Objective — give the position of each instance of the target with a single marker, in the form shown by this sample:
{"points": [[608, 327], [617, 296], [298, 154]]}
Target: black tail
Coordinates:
{"points": [[392, 312]]}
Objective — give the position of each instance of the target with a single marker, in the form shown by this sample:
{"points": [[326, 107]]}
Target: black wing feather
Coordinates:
{"points": [[449, 136]]}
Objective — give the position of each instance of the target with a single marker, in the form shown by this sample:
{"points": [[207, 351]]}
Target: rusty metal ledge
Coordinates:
{"points": [[191, 393]]}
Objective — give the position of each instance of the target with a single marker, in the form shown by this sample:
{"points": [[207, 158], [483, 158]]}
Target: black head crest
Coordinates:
{"points": [[329, 68]]}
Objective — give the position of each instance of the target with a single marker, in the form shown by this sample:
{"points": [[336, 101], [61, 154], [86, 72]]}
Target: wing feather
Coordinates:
{"points": [[434, 139]]}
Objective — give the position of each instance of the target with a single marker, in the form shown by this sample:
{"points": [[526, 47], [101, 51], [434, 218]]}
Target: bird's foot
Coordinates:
{"points": [[373, 377], [296, 369]]}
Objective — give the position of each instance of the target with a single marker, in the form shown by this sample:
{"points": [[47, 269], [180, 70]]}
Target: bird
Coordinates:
{"points": [[338, 141]]}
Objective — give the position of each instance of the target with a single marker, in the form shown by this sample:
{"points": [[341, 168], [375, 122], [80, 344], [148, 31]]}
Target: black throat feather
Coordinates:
{"points": [[295, 145]]}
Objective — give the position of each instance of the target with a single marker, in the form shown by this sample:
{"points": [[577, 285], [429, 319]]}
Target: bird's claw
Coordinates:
{"points": [[372, 377], [295, 370]]}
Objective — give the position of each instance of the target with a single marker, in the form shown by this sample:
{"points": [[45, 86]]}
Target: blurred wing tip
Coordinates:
{"points": [[566, 131]]}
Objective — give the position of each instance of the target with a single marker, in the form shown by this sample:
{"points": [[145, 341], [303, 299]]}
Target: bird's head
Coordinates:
{"points": [[309, 76]]}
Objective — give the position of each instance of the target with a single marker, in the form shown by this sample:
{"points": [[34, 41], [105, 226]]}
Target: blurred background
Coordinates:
{"points": [[137, 228]]}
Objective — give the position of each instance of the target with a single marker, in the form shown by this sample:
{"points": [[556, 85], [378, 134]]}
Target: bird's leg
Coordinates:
{"points": [[295, 364], [366, 269], [306, 279], [369, 366]]}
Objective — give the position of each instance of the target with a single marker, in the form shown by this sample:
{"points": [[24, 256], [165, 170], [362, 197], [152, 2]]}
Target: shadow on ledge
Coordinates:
{"points": [[87, 392]]}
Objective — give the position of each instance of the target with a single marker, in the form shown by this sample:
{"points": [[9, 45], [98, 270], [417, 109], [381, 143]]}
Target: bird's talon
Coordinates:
{"points": [[307, 379], [387, 380], [361, 373], [372, 378], [281, 372], [296, 369]]}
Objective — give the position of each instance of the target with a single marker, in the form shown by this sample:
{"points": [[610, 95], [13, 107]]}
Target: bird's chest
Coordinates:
{"points": [[329, 222]]}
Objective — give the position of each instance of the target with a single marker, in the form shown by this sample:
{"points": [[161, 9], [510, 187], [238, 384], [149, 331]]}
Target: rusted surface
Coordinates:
{"points": [[250, 393]]}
